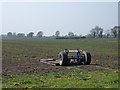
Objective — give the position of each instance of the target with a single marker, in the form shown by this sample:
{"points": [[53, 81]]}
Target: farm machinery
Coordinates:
{"points": [[67, 56], [80, 56]]}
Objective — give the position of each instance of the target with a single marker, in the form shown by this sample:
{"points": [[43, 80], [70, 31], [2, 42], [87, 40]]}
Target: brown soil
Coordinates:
{"points": [[31, 67]]}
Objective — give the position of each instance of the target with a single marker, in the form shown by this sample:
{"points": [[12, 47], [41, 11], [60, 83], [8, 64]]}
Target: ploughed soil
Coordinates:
{"points": [[30, 67], [37, 66]]}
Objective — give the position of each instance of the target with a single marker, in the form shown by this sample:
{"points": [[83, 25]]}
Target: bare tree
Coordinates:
{"points": [[101, 33], [107, 33], [14, 34], [9, 34], [30, 34], [93, 33], [70, 34], [97, 32], [57, 33], [40, 34], [114, 31], [20, 35]]}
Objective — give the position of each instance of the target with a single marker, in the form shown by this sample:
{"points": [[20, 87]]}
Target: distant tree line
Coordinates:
{"points": [[96, 32], [22, 35]]}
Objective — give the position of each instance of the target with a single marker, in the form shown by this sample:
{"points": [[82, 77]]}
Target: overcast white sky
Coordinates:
{"points": [[77, 17]]}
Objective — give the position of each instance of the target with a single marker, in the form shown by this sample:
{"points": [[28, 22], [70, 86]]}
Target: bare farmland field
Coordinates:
{"points": [[23, 56]]}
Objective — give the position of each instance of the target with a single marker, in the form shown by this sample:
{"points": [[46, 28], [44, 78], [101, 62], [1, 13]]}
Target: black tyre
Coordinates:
{"points": [[63, 59], [87, 57]]}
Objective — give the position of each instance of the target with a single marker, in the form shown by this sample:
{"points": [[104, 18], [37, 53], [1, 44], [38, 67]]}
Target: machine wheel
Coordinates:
{"points": [[63, 59], [87, 57]]}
